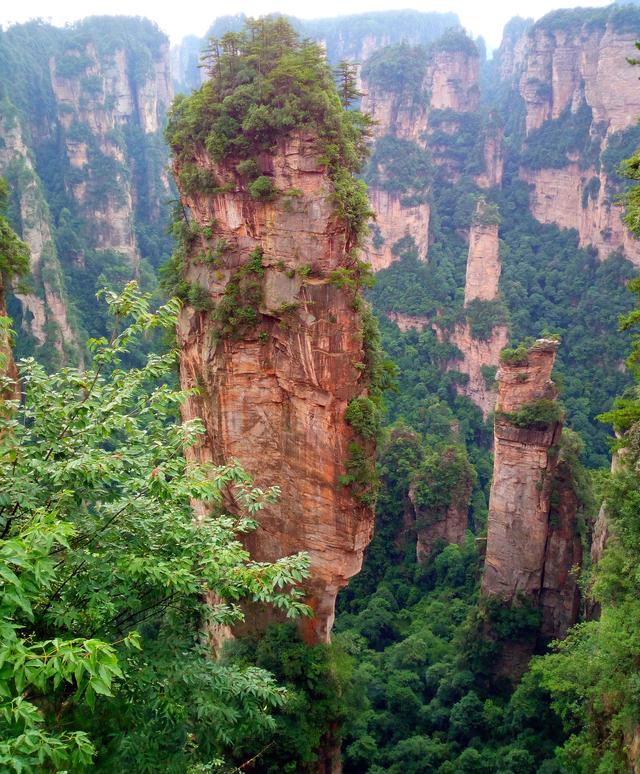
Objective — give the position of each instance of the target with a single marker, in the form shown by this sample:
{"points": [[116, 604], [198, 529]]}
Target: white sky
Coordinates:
{"points": [[189, 17]]}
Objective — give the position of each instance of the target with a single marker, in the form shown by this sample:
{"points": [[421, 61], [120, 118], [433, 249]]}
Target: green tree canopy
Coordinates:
{"points": [[104, 573]]}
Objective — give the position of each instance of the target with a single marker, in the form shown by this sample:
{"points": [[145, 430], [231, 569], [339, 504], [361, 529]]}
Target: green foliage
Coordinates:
{"points": [[265, 83], [622, 18], [361, 475], [484, 316], [402, 167], [515, 356], [318, 693], [486, 214], [239, 308], [441, 479], [262, 188], [540, 414], [193, 178], [363, 414], [399, 69], [550, 145], [105, 571], [14, 253]]}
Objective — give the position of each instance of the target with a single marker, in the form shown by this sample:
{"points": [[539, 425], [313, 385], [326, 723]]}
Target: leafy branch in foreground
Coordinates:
{"points": [[104, 572]]}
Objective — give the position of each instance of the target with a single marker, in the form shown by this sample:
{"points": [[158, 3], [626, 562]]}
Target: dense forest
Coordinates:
{"points": [[114, 595]]}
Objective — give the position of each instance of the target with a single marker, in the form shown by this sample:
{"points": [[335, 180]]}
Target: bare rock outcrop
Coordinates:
{"points": [[449, 87], [481, 285], [45, 310], [103, 94], [394, 221], [572, 197], [518, 524], [476, 354], [483, 263], [273, 392], [532, 542]]}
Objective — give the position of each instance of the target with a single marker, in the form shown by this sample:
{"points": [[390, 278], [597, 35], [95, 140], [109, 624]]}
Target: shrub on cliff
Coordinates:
{"points": [[538, 414], [104, 572], [265, 84]]}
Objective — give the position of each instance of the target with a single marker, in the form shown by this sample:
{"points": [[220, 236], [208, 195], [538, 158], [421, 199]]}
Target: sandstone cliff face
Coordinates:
{"points": [[483, 263], [105, 96], [450, 83], [563, 196], [274, 395], [394, 221], [532, 543], [559, 70], [493, 159], [518, 524], [45, 317], [481, 284], [475, 354], [81, 146]]}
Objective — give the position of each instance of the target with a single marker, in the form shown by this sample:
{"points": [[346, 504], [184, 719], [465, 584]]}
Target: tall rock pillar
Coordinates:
{"points": [[532, 540], [481, 351], [524, 464], [275, 345]]}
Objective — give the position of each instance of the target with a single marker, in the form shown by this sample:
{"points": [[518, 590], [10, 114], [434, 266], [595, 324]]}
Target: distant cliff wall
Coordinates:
{"points": [[581, 105]]}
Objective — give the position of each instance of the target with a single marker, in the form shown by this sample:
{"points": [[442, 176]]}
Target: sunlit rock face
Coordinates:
{"points": [[273, 394]]}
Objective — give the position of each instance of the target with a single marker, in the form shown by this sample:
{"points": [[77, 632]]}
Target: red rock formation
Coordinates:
{"points": [[475, 354], [394, 220], [567, 198], [493, 159], [450, 82], [120, 95], [481, 284], [524, 466], [273, 395], [407, 322]]}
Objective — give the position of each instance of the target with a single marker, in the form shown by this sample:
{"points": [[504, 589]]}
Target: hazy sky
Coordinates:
{"points": [[188, 17]]}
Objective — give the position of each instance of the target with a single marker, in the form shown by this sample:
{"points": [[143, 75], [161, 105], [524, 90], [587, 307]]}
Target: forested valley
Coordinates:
{"points": [[319, 405]]}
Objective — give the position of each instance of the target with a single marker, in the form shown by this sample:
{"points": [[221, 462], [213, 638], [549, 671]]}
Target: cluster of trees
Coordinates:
{"points": [[107, 580]]}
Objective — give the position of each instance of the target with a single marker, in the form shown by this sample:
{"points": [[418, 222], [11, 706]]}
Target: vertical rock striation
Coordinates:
{"points": [[532, 544], [81, 145], [523, 471], [563, 68], [483, 263], [441, 90], [481, 286], [273, 394], [46, 320]]}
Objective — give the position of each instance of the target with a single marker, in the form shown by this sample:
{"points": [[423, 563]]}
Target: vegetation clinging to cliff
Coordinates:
{"points": [[265, 84]]}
